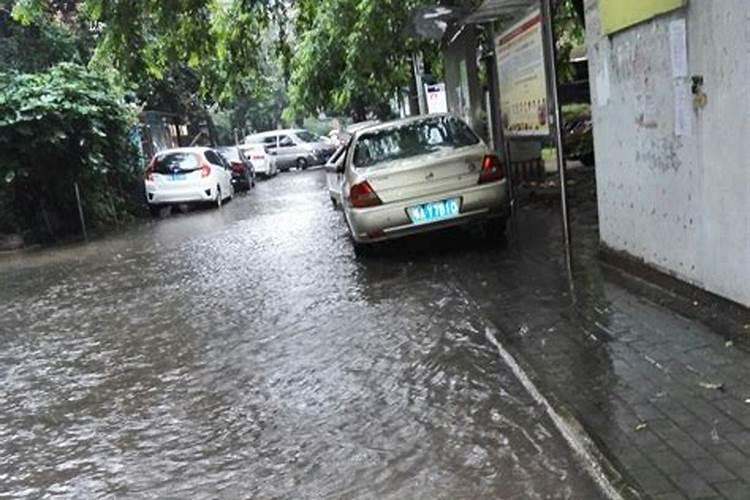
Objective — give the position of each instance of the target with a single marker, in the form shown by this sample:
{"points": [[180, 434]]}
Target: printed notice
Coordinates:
{"points": [[683, 112], [523, 82], [678, 48], [602, 85]]}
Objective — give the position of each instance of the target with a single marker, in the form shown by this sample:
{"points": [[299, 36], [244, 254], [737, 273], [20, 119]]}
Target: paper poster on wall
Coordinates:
{"points": [[617, 15], [683, 110], [678, 48], [523, 85], [602, 85]]}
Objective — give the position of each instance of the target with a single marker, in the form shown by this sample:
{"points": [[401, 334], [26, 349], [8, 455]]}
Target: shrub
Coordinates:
{"points": [[58, 127]]}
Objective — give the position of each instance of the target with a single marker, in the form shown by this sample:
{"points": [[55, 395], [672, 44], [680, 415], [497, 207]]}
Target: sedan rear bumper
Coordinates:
{"points": [[390, 221]]}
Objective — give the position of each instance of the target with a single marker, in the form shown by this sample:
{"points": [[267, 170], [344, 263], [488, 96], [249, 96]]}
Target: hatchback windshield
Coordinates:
{"points": [[175, 163], [412, 139]]}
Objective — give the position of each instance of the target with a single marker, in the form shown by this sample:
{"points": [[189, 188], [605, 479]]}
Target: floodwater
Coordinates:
{"points": [[247, 353]]}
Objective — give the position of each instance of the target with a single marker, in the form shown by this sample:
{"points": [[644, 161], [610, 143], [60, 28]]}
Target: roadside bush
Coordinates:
{"points": [[58, 127]]}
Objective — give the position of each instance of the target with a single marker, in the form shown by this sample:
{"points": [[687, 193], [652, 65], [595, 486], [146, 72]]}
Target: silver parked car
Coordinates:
{"points": [[334, 170], [294, 148], [421, 174]]}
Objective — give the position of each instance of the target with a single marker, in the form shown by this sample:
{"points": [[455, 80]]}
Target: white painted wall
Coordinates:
{"points": [[680, 203]]}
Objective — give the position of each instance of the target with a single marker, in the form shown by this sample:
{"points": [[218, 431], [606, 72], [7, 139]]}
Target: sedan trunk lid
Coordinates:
{"points": [[436, 173]]}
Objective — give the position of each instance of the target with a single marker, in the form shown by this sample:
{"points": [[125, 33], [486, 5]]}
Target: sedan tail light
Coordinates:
{"points": [[149, 174], [362, 196], [492, 169], [205, 170]]}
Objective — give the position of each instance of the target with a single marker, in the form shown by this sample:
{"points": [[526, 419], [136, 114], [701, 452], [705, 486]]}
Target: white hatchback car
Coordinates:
{"points": [[187, 175], [263, 163], [420, 174]]}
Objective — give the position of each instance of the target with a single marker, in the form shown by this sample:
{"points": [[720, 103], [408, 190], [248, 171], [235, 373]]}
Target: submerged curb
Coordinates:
{"points": [[611, 480], [603, 472]]}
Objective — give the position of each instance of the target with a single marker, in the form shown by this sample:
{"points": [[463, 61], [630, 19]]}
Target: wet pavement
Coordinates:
{"points": [[247, 353]]}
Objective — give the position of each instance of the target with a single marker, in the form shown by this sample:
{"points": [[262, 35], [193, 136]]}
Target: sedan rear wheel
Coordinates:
{"points": [[494, 231], [363, 249], [155, 210], [301, 164]]}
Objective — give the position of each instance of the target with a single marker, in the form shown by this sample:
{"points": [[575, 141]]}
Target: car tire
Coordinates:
{"points": [[301, 164], [363, 249], [494, 231], [219, 200], [155, 210]]}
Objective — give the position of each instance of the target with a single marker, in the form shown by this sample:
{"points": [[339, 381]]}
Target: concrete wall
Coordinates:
{"points": [[679, 202]]}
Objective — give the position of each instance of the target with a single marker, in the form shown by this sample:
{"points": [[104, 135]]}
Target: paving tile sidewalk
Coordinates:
{"points": [[664, 396]]}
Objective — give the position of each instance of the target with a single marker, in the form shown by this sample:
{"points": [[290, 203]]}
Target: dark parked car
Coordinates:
{"points": [[243, 173], [579, 139]]}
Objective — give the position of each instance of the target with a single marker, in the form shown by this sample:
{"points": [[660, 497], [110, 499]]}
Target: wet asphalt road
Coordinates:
{"points": [[247, 353]]}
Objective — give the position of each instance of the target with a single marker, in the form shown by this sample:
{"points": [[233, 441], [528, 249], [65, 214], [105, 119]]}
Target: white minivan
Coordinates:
{"points": [[292, 148]]}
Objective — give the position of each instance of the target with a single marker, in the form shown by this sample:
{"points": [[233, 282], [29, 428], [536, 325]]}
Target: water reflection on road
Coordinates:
{"points": [[246, 353]]}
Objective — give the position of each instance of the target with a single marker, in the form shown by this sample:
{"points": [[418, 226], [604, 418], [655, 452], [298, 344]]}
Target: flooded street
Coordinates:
{"points": [[247, 353]]}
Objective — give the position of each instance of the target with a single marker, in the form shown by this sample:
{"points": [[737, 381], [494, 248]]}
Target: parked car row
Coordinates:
{"points": [[292, 148], [391, 179], [416, 175], [200, 175]]}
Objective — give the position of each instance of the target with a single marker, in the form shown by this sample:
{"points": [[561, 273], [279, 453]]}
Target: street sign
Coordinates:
{"points": [[436, 98]]}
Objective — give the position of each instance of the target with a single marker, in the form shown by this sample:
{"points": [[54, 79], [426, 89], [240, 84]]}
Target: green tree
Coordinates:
{"points": [[569, 34], [62, 126], [35, 47], [351, 55]]}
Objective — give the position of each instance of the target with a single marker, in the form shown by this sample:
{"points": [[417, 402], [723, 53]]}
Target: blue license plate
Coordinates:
{"points": [[434, 211], [177, 177]]}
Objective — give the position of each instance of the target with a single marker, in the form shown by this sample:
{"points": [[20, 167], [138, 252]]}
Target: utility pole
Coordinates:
{"points": [[418, 64], [550, 56], [497, 131]]}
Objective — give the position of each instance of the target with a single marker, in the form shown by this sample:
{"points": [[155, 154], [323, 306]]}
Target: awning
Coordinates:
{"points": [[493, 10], [432, 22]]}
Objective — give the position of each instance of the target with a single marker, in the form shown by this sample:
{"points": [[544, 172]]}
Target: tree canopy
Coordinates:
{"points": [[351, 55], [251, 58]]}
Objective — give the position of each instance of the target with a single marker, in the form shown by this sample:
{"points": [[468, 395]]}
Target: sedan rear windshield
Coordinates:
{"points": [[231, 154], [412, 139], [176, 163]]}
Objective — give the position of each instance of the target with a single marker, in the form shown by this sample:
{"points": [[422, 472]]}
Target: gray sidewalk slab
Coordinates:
{"points": [[664, 395]]}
